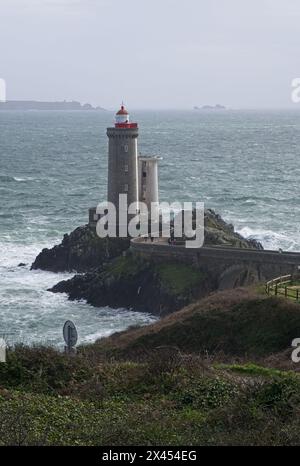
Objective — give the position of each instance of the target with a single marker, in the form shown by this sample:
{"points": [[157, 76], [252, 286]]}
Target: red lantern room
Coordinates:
{"points": [[122, 119]]}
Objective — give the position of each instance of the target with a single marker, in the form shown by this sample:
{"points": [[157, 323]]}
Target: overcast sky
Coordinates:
{"points": [[151, 53]]}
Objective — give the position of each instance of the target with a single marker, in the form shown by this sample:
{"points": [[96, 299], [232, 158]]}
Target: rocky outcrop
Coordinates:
{"points": [[118, 279], [218, 232], [80, 251], [83, 251], [140, 285]]}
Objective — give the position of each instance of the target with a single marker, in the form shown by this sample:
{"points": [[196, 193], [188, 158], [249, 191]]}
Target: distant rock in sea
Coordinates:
{"points": [[35, 105]]}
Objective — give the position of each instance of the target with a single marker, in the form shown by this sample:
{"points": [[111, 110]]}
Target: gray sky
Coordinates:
{"points": [[151, 53]]}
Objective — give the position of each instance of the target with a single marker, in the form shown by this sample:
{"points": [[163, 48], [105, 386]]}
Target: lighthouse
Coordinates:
{"points": [[129, 173], [122, 159]]}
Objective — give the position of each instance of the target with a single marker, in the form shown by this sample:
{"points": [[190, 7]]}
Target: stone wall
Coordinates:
{"points": [[230, 266]]}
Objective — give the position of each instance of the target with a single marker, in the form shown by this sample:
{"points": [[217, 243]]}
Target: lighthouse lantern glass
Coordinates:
{"points": [[122, 118]]}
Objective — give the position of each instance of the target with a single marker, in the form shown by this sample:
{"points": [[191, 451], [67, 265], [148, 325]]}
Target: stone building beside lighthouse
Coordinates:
{"points": [[128, 172], [148, 181]]}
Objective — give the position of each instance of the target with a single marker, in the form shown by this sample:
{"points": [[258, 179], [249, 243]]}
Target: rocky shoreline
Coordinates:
{"points": [[110, 275], [80, 251], [128, 282]]}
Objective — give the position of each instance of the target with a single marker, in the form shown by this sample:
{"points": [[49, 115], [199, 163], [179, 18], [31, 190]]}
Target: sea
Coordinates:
{"points": [[53, 167]]}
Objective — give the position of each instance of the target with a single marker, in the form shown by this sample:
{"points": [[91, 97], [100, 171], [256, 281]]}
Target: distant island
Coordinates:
{"points": [[35, 105], [211, 107]]}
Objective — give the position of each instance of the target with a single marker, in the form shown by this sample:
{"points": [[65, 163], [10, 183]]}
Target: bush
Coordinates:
{"points": [[42, 369], [207, 393], [280, 395]]}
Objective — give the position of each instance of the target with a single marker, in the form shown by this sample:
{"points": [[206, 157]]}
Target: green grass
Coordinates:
{"points": [[124, 266], [255, 328], [254, 370], [31, 419], [179, 278], [260, 288], [151, 403], [166, 392]]}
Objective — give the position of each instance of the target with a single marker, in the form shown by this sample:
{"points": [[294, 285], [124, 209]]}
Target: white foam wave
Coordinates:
{"points": [[271, 239], [8, 178], [22, 179], [31, 314]]}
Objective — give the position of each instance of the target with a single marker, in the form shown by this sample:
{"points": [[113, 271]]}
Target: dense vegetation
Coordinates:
{"points": [[217, 372]]}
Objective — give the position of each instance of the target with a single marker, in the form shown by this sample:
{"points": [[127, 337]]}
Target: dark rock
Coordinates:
{"points": [[139, 285], [80, 251], [219, 232], [117, 280], [22, 264]]}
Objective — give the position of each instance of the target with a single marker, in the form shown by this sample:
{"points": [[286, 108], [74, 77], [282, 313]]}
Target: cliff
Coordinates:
{"points": [[118, 278], [220, 233], [129, 282], [82, 250]]}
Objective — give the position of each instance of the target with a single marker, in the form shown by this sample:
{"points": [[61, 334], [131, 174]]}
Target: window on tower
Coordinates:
{"points": [[125, 147], [126, 188], [126, 168]]}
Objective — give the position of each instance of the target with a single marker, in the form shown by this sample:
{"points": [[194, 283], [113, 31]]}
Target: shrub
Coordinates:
{"points": [[207, 393]]}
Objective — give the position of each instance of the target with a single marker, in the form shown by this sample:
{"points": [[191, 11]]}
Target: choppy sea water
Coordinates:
{"points": [[53, 167]]}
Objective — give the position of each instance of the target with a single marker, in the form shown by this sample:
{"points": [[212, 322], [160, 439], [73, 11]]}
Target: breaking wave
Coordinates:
{"points": [[271, 239]]}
